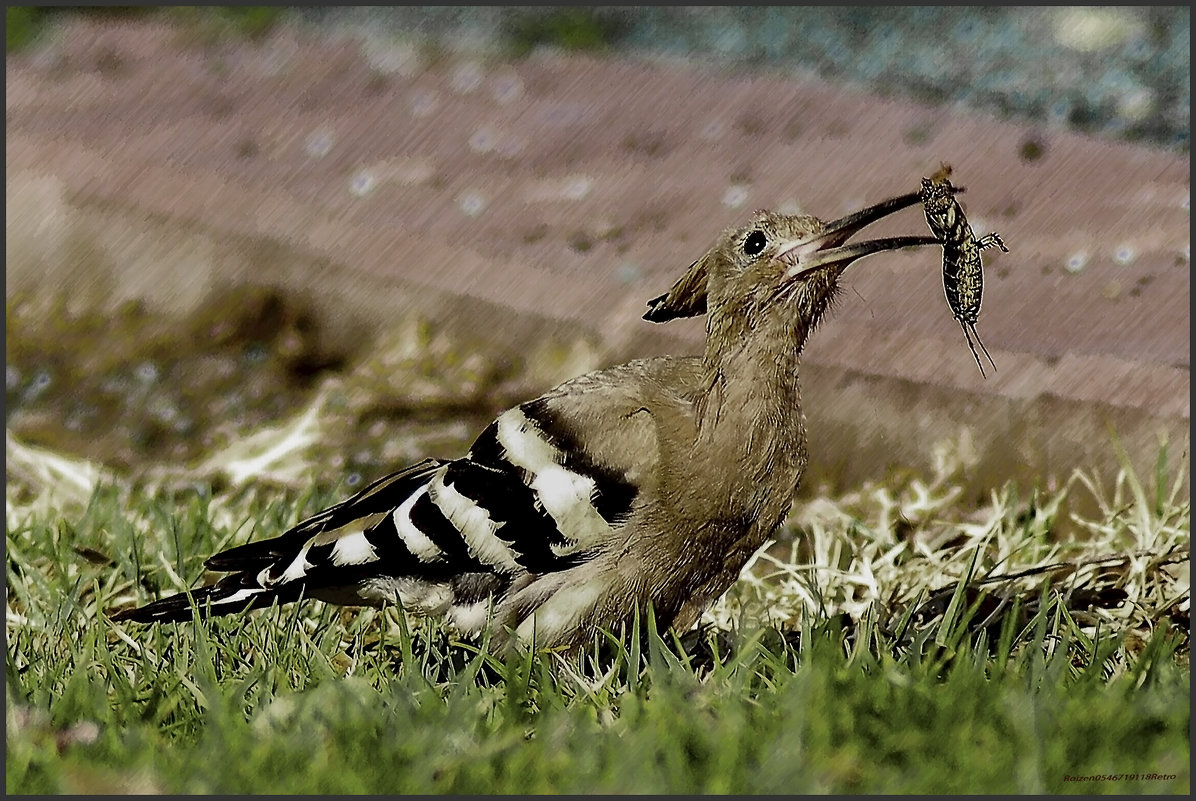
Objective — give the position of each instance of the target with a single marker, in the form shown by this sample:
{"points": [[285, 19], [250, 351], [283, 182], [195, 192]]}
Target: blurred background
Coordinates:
{"points": [[292, 244]]}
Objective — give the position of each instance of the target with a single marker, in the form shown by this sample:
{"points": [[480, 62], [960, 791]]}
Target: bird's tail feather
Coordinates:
{"points": [[243, 590], [229, 596]]}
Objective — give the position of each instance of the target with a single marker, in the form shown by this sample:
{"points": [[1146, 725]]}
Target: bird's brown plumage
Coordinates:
{"points": [[691, 463]]}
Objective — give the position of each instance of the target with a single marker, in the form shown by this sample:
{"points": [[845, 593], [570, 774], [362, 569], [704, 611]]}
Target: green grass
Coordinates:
{"points": [[857, 656], [24, 25], [573, 28]]}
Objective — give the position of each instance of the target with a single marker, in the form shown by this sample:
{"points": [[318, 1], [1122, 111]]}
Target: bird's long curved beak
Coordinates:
{"points": [[807, 256], [826, 247], [839, 231]]}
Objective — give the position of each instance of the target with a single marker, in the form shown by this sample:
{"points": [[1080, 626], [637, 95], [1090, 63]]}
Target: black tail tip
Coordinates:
{"points": [[233, 595], [175, 609]]}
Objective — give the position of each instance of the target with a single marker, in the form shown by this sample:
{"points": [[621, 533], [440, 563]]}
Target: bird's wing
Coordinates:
{"points": [[543, 486], [589, 449], [362, 511]]}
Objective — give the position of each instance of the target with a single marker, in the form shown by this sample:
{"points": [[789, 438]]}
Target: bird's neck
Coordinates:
{"points": [[750, 427]]}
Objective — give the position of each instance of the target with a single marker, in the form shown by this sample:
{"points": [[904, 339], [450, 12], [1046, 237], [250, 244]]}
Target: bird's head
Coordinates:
{"points": [[778, 266], [771, 264]]}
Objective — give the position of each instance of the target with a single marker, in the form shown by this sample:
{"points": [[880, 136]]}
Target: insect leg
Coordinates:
{"points": [[990, 241]]}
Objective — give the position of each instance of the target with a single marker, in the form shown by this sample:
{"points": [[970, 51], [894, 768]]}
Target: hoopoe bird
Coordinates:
{"points": [[646, 485]]}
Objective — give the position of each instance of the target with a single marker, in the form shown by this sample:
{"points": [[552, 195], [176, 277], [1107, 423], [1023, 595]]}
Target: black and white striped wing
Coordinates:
{"points": [[439, 537]]}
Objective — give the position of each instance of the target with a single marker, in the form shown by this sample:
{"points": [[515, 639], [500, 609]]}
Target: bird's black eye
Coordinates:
{"points": [[754, 243]]}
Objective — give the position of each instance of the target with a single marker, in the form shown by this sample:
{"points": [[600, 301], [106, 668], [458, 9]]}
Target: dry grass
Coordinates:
{"points": [[908, 556]]}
